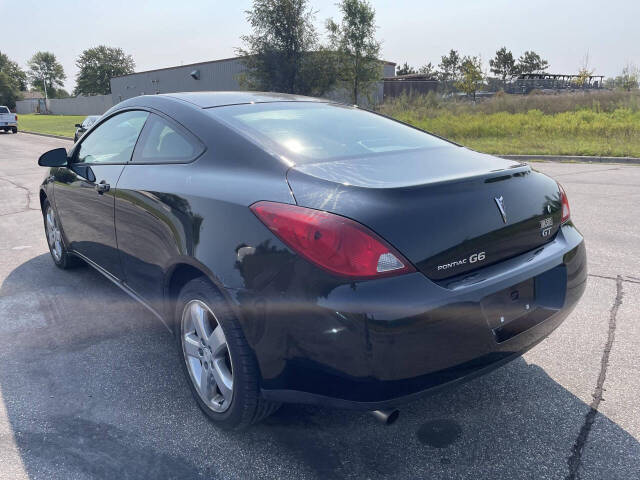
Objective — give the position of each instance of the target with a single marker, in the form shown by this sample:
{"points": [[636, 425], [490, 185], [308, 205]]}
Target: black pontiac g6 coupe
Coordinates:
{"points": [[307, 251]]}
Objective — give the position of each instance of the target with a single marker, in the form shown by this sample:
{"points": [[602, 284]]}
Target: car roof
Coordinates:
{"points": [[220, 99]]}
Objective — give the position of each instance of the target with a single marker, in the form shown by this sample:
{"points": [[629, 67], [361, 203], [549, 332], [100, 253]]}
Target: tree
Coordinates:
{"points": [[585, 71], [8, 92], [531, 62], [503, 64], [45, 72], [283, 54], [470, 76], [428, 70], [449, 68], [60, 93], [357, 48], [97, 66], [629, 79], [405, 69], [15, 75]]}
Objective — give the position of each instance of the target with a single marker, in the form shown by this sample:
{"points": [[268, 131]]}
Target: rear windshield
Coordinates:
{"points": [[4, 110], [307, 132]]}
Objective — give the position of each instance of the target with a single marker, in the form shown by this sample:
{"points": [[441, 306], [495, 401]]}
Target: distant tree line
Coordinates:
{"points": [[465, 74], [45, 74], [628, 80]]}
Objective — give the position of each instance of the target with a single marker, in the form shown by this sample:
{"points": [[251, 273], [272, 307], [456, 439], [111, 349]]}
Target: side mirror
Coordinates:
{"points": [[78, 125], [54, 158]]}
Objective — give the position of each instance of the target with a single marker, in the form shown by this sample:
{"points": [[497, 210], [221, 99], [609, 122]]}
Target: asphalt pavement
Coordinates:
{"points": [[91, 387]]}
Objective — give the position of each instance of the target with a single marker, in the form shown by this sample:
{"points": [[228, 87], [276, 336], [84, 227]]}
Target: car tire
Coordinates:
{"points": [[55, 239], [220, 367], [14, 129]]}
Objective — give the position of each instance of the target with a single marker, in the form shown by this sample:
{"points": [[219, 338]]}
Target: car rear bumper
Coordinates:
{"points": [[375, 344]]}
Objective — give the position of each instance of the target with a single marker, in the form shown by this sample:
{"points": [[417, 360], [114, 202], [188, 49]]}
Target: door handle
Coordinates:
{"points": [[102, 187]]}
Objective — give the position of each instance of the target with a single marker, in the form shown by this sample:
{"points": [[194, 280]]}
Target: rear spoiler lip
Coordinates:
{"points": [[486, 176]]}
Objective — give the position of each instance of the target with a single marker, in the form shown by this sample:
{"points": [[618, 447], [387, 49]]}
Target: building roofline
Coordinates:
{"points": [[178, 66], [386, 62]]}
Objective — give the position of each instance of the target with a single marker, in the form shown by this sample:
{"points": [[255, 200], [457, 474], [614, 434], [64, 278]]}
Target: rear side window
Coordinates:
{"points": [[163, 141], [112, 141]]}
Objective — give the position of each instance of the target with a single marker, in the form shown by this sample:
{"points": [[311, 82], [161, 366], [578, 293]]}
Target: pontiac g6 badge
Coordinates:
{"points": [[500, 203]]}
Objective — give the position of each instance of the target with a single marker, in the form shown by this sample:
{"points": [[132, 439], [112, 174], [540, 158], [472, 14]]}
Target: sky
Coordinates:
{"points": [[164, 33]]}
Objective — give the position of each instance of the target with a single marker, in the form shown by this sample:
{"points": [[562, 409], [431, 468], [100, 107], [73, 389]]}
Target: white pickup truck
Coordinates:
{"points": [[8, 120]]}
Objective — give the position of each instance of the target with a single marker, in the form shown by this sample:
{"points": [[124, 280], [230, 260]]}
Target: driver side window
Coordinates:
{"points": [[114, 140]]}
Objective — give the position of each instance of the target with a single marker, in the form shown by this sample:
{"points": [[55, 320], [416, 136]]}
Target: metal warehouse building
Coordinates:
{"points": [[220, 75]]}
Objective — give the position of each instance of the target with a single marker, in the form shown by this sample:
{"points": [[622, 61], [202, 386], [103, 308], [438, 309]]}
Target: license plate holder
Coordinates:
{"points": [[509, 304]]}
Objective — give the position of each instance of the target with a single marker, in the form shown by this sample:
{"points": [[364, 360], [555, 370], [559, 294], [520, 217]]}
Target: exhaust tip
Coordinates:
{"points": [[387, 417]]}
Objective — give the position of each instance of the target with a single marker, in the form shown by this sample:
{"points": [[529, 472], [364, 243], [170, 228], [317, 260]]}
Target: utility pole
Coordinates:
{"points": [[44, 83]]}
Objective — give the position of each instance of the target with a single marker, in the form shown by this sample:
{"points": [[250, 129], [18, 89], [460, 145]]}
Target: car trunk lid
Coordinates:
{"points": [[440, 207]]}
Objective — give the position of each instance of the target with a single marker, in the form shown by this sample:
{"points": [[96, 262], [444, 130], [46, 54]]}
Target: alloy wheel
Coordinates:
{"points": [[206, 354], [54, 236]]}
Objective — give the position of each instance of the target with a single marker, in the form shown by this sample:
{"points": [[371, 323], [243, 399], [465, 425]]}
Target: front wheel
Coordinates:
{"points": [[220, 366], [61, 256]]}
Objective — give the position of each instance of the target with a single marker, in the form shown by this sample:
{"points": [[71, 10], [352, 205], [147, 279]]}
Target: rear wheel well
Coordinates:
{"points": [[180, 276]]}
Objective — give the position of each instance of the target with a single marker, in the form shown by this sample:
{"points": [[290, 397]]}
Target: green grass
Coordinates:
{"points": [[63, 125], [599, 124], [584, 132]]}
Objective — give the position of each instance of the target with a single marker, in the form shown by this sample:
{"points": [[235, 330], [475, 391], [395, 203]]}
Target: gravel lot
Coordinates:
{"points": [[90, 385]]}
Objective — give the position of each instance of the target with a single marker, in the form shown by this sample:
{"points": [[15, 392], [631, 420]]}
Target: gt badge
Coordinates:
{"points": [[545, 226]]}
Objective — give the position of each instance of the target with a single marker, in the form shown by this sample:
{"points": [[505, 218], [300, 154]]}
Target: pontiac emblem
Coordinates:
{"points": [[500, 203]]}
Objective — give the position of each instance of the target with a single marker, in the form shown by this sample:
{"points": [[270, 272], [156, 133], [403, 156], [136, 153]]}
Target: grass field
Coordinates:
{"points": [[604, 123], [51, 124], [584, 132]]}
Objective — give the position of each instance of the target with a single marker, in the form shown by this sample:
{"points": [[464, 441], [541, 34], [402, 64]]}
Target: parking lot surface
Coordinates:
{"points": [[91, 387]]}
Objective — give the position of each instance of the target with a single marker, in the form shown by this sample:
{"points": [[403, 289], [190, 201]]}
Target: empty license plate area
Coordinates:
{"points": [[509, 304]]}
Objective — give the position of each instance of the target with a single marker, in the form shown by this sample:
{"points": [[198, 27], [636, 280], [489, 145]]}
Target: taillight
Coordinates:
{"points": [[566, 211], [337, 244]]}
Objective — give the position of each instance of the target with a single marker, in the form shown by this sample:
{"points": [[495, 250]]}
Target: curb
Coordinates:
{"points": [[573, 158], [46, 135]]}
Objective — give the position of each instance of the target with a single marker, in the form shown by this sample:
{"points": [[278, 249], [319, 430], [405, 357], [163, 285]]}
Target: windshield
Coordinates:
{"points": [[309, 132], [4, 110]]}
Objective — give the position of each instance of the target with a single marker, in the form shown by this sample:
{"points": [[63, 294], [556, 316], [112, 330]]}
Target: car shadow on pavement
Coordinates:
{"points": [[92, 388]]}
